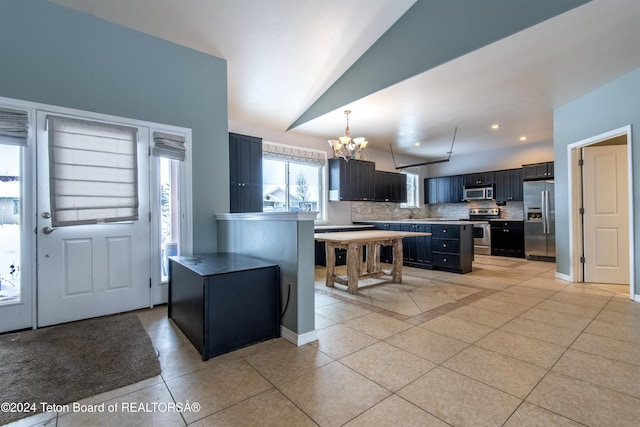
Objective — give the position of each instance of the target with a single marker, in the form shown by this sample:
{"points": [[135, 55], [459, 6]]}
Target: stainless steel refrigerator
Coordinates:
{"points": [[539, 220]]}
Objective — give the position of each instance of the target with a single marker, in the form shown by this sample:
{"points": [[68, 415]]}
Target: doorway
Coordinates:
{"points": [[128, 268], [93, 227], [601, 207]]}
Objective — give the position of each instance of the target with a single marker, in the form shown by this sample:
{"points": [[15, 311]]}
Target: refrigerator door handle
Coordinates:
{"points": [[545, 211], [544, 224]]}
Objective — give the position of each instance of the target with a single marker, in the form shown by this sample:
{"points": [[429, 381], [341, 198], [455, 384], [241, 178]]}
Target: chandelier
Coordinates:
{"points": [[346, 147]]}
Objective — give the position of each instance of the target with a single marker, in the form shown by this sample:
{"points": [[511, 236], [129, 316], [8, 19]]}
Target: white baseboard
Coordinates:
{"points": [[564, 277], [296, 339]]}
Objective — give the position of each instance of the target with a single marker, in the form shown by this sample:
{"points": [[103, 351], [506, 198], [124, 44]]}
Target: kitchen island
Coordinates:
{"points": [[353, 242], [448, 248]]}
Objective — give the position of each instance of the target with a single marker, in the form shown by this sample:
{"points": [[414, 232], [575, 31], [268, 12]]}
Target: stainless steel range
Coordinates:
{"points": [[482, 232]]}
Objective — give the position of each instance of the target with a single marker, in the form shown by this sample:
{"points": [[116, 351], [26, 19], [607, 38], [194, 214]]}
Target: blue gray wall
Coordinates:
{"points": [[431, 33], [289, 244], [610, 107], [54, 55]]}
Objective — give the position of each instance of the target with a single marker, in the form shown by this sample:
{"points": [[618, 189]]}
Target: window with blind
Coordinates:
{"points": [[93, 172], [292, 178], [14, 125]]}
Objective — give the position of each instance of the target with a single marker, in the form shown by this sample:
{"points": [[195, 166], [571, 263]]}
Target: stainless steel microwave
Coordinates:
{"points": [[477, 193]]}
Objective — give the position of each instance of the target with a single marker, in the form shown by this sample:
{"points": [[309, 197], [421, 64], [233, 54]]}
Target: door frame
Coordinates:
{"points": [[576, 272], [29, 274]]}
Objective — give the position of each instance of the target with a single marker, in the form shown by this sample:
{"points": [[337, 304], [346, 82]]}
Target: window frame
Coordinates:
{"points": [[416, 190], [161, 289], [322, 197]]}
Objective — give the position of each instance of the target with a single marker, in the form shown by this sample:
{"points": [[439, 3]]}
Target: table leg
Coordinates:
{"points": [[354, 260], [372, 253], [331, 263], [396, 270]]}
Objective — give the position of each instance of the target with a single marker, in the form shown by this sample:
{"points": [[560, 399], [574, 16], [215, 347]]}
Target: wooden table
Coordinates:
{"points": [[353, 242]]}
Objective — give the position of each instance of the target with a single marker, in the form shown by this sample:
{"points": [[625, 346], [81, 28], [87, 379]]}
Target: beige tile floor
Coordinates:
{"points": [[508, 344]]}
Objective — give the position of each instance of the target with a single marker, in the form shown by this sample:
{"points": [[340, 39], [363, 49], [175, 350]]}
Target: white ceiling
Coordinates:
{"points": [[283, 54]]}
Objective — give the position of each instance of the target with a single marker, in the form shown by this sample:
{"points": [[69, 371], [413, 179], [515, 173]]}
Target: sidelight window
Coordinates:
{"points": [[171, 151]]}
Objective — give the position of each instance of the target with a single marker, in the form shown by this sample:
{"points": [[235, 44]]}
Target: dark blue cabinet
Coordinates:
{"points": [[224, 301]]}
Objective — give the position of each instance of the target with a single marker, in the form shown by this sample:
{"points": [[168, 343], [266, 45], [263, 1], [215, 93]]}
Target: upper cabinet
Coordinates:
{"points": [[456, 184], [538, 171], [480, 178], [443, 189], [245, 173], [351, 180], [390, 187], [509, 185]]}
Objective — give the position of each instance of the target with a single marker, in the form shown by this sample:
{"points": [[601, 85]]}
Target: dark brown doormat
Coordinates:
{"points": [[65, 363]]}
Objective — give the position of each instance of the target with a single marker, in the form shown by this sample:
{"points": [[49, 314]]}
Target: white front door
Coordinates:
{"points": [[606, 206], [85, 271]]}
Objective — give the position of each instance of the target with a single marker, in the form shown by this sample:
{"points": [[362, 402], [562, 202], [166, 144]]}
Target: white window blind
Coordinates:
{"points": [[169, 146], [271, 151], [93, 172], [14, 125]]}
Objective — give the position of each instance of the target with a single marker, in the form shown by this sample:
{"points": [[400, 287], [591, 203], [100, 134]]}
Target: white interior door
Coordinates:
{"points": [[85, 271], [606, 206]]}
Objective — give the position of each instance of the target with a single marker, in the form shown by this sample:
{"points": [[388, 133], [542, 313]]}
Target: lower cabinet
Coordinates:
{"points": [[507, 238], [321, 255], [416, 251], [386, 252], [224, 301], [449, 249]]}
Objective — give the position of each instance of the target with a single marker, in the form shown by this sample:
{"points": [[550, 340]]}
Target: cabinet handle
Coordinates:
{"points": [[444, 259]]}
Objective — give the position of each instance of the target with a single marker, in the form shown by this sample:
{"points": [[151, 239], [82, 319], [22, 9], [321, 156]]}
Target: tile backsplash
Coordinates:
{"points": [[380, 211]]}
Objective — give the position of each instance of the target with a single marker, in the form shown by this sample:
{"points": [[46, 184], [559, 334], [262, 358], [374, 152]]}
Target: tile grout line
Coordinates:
{"points": [[557, 360]]}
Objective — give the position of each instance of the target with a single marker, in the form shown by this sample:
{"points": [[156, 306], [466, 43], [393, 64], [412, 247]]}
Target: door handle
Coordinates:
{"points": [[544, 218], [48, 230]]}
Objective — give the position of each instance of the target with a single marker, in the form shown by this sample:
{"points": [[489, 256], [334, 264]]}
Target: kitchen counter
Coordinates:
{"points": [[341, 227], [424, 221], [450, 247]]}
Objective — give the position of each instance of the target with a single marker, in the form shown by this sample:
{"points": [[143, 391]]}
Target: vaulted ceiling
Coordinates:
{"points": [[411, 71]]}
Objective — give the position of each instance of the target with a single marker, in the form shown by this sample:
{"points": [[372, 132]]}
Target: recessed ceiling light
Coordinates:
{"points": [[416, 144], [523, 138], [496, 126]]}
